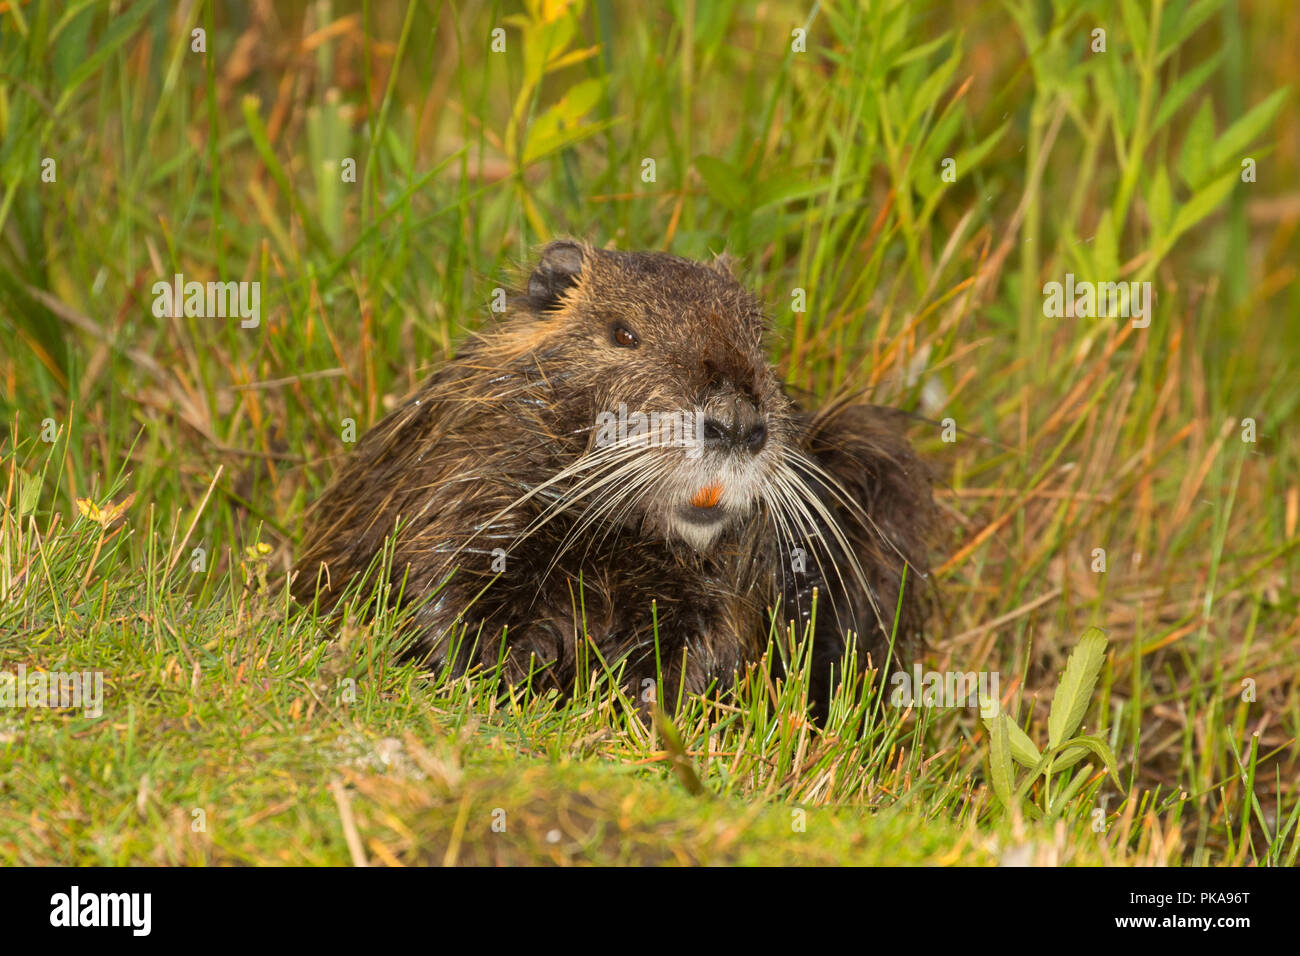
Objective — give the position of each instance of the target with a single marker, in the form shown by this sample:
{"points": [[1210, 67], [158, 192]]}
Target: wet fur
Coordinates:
{"points": [[468, 464]]}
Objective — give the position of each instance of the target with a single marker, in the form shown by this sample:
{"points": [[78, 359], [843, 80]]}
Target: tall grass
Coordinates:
{"points": [[819, 163]]}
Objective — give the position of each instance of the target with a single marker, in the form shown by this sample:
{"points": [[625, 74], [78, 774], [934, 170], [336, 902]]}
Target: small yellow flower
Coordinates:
{"points": [[255, 552], [108, 514]]}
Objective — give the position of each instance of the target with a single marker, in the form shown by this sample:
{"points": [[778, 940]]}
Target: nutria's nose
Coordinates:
{"points": [[745, 433]]}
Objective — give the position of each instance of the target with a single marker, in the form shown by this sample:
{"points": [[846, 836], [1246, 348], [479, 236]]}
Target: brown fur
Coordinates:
{"points": [[468, 462]]}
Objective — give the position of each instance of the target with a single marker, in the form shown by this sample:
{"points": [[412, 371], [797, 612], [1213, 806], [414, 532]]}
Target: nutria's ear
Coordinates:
{"points": [[557, 271]]}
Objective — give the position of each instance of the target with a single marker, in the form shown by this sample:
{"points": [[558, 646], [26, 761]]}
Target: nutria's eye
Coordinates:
{"points": [[625, 337]]}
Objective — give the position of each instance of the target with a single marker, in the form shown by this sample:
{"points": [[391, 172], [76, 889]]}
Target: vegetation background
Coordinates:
{"points": [[148, 538]]}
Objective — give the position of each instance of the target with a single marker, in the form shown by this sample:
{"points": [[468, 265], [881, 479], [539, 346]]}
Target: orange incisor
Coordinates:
{"points": [[708, 496]]}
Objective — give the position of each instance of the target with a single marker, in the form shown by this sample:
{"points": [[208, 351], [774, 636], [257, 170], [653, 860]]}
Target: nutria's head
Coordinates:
{"points": [[661, 363]]}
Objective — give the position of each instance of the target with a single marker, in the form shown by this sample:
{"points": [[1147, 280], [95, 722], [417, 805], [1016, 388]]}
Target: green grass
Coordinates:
{"points": [[819, 171]]}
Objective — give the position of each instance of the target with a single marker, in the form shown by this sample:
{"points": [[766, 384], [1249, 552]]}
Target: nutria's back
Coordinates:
{"points": [[618, 439]]}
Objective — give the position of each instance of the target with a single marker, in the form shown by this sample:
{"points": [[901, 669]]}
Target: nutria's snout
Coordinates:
{"points": [[746, 431], [730, 468], [732, 446]]}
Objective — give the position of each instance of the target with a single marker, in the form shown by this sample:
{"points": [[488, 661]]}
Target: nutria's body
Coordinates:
{"points": [[522, 509]]}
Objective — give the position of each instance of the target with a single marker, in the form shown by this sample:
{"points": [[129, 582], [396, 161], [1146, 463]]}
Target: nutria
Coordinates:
{"points": [[528, 493]]}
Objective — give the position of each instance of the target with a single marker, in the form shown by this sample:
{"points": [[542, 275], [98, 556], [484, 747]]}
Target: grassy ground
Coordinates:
{"points": [[153, 471]]}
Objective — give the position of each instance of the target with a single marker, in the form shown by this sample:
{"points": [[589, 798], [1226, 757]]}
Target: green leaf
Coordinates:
{"points": [[787, 186], [722, 181], [1160, 202], [122, 28], [931, 89], [1077, 748], [1187, 84], [1071, 789], [922, 51], [1193, 160], [1075, 690], [1081, 254], [893, 31], [1241, 133], [544, 42], [1000, 760], [581, 98], [561, 124], [1201, 205], [29, 492], [942, 133], [70, 43], [1023, 750], [1174, 30], [1136, 25], [539, 147], [1105, 251], [1124, 87], [1068, 758], [970, 158]]}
